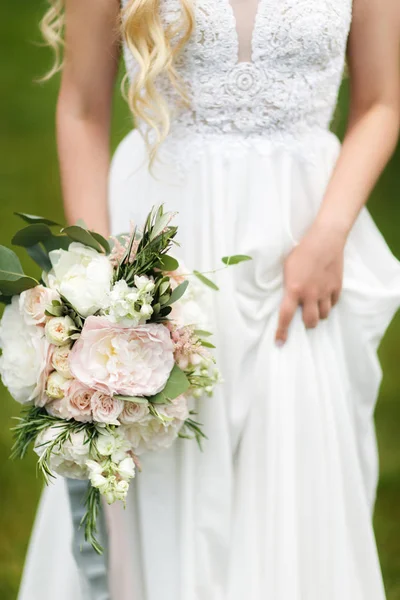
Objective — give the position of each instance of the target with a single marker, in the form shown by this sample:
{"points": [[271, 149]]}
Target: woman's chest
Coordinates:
{"points": [[283, 33]]}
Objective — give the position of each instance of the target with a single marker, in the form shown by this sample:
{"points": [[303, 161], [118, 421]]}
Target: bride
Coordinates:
{"points": [[232, 101]]}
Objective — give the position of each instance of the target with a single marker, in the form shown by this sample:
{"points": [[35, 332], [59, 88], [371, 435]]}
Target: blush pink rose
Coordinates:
{"points": [[133, 412], [112, 359], [78, 398], [106, 409]]}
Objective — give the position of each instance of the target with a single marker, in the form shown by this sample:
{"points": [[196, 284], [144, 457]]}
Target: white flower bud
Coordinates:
{"points": [[56, 385], [146, 310], [121, 490], [58, 330], [60, 361]]}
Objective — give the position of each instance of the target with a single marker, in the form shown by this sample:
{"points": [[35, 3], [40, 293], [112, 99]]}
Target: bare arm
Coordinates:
{"points": [[314, 269], [84, 109]]}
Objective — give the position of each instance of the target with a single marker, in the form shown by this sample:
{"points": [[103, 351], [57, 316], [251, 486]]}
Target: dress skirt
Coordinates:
{"points": [[278, 505]]}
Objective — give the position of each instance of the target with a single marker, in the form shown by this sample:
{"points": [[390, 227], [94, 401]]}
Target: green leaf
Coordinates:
{"points": [[135, 399], [12, 287], [102, 241], [178, 292], [78, 234], [235, 259], [206, 281], [202, 333], [167, 263], [160, 224], [35, 219], [40, 257], [164, 287], [5, 299], [176, 385], [56, 242], [10, 266], [207, 344], [31, 235]]}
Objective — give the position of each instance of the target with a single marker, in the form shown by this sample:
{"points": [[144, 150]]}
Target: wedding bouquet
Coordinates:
{"points": [[101, 351]]}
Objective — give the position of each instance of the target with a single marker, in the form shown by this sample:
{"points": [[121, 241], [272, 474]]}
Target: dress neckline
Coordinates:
{"points": [[232, 24]]}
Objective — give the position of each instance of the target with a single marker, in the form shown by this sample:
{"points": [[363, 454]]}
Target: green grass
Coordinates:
{"points": [[29, 182]]}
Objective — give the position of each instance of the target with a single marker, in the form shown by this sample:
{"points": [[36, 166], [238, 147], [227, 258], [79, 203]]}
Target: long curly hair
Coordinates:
{"points": [[155, 48]]}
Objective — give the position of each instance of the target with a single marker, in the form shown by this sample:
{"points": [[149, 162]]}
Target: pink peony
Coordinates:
{"points": [[106, 409], [116, 360]]}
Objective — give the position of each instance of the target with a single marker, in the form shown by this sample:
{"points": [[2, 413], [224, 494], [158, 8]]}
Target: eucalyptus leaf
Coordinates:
{"points": [[12, 287], [31, 235], [164, 287], [10, 266], [235, 259], [35, 219], [163, 300], [102, 241], [40, 257], [206, 281], [167, 263], [56, 242], [78, 234], [176, 385], [178, 292]]}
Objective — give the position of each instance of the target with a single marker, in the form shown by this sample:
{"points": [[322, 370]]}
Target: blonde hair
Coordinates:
{"points": [[154, 47]]}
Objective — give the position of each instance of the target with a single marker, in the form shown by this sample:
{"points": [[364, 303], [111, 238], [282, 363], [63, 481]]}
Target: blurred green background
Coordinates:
{"points": [[29, 183]]}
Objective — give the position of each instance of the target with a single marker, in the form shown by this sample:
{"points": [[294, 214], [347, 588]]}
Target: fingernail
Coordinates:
{"points": [[279, 343]]}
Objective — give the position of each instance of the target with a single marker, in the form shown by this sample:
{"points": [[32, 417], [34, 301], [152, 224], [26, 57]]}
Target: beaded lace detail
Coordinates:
{"points": [[287, 91]]}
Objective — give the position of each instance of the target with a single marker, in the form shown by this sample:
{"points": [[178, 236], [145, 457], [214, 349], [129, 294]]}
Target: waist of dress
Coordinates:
{"points": [[186, 145]]}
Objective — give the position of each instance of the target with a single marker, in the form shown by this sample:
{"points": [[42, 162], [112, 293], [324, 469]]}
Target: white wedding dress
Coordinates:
{"points": [[278, 506]]}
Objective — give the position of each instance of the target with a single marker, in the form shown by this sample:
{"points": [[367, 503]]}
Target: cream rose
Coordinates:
{"points": [[60, 361], [33, 304], [59, 329], [56, 386]]}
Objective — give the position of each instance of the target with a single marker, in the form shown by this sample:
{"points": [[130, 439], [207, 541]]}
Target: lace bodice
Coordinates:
{"points": [[287, 84]]}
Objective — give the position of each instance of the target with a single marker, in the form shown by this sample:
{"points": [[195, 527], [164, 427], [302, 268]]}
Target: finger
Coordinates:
{"points": [[325, 307], [286, 314], [310, 314], [335, 297]]}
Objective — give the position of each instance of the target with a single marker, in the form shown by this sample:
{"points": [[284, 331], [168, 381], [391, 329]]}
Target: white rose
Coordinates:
{"points": [[126, 468], [34, 302], [60, 361], [82, 276], [61, 460], [25, 355], [106, 444], [58, 330], [56, 386], [77, 449]]}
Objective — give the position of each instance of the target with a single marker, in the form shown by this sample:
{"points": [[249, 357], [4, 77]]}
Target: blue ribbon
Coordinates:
{"points": [[93, 567]]}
